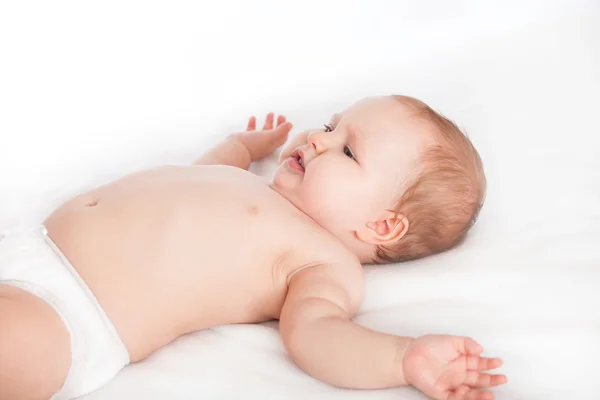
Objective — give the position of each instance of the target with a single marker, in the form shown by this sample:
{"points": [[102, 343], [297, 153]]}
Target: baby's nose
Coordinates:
{"points": [[319, 140]]}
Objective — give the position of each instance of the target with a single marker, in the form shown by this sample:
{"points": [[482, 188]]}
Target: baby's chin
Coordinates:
{"points": [[285, 178]]}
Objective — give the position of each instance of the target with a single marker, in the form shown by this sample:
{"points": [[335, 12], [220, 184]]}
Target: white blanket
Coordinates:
{"points": [[89, 93]]}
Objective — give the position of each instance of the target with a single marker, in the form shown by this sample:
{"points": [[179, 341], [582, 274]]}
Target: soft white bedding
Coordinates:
{"points": [[91, 92]]}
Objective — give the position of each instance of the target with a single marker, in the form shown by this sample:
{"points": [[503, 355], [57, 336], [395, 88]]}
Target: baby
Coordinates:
{"points": [[120, 271]]}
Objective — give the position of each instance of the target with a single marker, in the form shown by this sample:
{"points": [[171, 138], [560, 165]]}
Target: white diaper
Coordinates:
{"points": [[30, 260]]}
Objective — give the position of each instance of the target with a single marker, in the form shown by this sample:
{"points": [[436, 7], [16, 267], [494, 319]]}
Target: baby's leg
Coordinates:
{"points": [[35, 353]]}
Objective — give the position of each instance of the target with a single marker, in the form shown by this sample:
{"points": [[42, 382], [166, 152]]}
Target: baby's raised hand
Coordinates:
{"points": [[261, 143], [449, 368]]}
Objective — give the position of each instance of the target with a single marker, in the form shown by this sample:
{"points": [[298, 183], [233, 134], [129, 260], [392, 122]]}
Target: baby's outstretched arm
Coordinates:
{"points": [[242, 148], [317, 331]]}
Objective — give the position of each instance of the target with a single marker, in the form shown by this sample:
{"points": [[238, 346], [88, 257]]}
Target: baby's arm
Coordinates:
{"points": [[242, 148], [317, 330]]}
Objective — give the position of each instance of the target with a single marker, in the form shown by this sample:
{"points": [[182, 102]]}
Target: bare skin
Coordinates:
{"points": [[178, 249]]}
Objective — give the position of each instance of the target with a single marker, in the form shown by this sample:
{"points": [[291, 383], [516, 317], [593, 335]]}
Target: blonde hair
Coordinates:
{"points": [[445, 197]]}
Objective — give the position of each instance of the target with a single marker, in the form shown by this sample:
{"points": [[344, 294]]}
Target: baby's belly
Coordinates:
{"points": [[160, 270]]}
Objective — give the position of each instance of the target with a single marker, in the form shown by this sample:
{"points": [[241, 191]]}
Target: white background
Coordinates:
{"points": [[103, 88], [90, 91]]}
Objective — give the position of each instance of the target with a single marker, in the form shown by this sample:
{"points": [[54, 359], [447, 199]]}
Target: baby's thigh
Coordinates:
{"points": [[35, 351]]}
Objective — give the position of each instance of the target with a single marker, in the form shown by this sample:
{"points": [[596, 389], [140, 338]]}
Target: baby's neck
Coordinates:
{"points": [[363, 251]]}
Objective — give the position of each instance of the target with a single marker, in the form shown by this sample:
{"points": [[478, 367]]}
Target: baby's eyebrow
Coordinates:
{"points": [[355, 140], [335, 119]]}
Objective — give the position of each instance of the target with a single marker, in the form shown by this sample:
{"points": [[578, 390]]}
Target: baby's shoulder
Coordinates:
{"points": [[316, 247], [327, 268]]}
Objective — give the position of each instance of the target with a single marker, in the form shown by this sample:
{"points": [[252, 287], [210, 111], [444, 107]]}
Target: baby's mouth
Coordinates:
{"points": [[296, 162]]}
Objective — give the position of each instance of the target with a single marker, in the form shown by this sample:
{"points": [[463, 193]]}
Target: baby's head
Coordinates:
{"points": [[390, 177]]}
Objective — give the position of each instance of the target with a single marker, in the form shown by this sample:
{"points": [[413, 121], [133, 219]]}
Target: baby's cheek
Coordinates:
{"points": [[332, 198]]}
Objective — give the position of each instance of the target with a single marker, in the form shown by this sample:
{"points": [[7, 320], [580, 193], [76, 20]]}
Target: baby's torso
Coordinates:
{"points": [[178, 249]]}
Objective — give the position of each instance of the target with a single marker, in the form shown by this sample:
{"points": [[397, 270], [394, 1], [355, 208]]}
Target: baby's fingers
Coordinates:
{"points": [[251, 124], [280, 120], [478, 380], [269, 122], [281, 133], [482, 364], [472, 347]]}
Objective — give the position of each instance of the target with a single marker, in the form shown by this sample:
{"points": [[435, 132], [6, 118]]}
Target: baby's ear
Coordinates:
{"points": [[389, 228]]}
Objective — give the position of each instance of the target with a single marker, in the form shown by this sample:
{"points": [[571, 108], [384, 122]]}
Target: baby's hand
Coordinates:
{"points": [[264, 142], [449, 368]]}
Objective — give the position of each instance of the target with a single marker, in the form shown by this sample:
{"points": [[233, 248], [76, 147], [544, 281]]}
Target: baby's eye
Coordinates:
{"points": [[348, 152], [328, 128]]}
